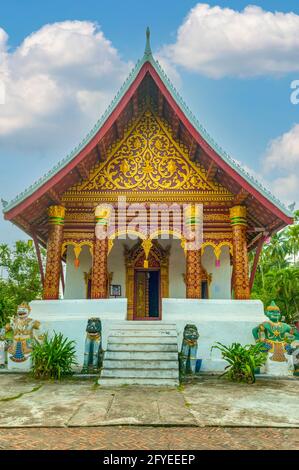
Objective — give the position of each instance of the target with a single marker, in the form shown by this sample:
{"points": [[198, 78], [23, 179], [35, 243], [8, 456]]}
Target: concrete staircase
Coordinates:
{"points": [[141, 353]]}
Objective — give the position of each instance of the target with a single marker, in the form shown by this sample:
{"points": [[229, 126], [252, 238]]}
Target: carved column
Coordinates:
{"points": [[55, 239], [193, 274], [240, 254], [99, 279]]}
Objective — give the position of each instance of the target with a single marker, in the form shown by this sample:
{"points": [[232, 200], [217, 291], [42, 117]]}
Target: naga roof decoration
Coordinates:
{"points": [[14, 209]]}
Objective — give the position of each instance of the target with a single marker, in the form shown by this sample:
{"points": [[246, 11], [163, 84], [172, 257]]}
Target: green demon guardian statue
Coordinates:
{"points": [[189, 349], [93, 346], [276, 337]]}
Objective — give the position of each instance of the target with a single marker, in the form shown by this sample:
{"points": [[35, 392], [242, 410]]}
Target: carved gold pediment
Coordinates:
{"points": [[147, 160]]}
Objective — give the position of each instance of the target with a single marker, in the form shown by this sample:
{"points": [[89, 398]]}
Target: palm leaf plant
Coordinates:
{"points": [[243, 361], [53, 358]]}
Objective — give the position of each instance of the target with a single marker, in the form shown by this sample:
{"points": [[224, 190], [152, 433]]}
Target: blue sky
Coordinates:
{"points": [[63, 62]]}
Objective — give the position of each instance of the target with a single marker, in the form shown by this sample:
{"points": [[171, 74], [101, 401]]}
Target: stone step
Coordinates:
{"points": [[142, 339], [145, 373], [140, 347], [143, 333], [144, 353], [149, 381], [136, 325], [141, 355], [139, 364]]}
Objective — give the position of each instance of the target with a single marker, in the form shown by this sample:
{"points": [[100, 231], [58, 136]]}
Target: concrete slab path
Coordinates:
{"points": [[207, 401]]}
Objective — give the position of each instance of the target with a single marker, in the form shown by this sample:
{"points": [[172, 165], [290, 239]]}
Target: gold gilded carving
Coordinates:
{"points": [[54, 244], [240, 254], [78, 236], [160, 257], [193, 274], [217, 247], [148, 160], [217, 235], [216, 218], [56, 211], [146, 245], [77, 247]]}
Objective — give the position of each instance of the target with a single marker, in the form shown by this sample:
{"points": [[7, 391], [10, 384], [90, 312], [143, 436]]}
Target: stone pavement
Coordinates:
{"points": [[207, 401], [149, 438]]}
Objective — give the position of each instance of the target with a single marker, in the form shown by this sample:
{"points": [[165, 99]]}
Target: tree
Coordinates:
{"points": [[20, 277], [277, 275]]}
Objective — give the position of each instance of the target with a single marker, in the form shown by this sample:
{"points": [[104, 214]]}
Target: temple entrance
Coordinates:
{"points": [[147, 299], [145, 287]]}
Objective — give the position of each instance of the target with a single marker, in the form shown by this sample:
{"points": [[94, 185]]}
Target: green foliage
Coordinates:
{"points": [[53, 358], [242, 360], [19, 278], [277, 275]]}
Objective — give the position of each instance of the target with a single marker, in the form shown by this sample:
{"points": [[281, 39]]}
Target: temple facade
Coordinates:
{"points": [[142, 171]]}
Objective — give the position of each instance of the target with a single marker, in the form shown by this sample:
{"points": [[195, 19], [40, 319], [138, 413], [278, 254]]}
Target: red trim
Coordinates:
{"points": [[84, 152], [147, 67]]}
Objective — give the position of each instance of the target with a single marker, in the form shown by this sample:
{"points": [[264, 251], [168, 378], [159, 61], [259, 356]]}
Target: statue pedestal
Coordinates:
{"points": [[24, 366], [279, 369], [2, 354]]}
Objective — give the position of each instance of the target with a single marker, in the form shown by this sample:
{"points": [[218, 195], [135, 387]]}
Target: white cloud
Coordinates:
{"points": [[287, 188], [64, 72], [220, 42], [283, 152], [282, 158]]}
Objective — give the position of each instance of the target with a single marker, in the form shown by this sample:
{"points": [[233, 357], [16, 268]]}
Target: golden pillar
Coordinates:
{"points": [[192, 222], [55, 239], [240, 254], [193, 274], [99, 279]]}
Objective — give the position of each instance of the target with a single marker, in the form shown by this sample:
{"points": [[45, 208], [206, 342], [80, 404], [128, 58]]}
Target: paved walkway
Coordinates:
{"points": [[149, 438], [208, 401]]}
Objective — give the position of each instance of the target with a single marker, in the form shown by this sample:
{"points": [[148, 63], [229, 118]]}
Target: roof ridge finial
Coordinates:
{"points": [[148, 51]]}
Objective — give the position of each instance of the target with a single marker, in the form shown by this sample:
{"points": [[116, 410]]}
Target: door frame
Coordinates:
{"points": [[159, 294]]}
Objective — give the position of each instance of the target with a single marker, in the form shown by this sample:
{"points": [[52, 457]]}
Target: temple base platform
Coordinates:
{"points": [[224, 321]]}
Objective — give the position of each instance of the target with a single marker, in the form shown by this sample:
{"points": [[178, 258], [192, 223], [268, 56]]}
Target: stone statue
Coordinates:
{"points": [[189, 349], [276, 337], [93, 346], [23, 334]]}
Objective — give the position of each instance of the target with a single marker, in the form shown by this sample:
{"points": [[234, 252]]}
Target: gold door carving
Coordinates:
{"points": [[134, 258]]}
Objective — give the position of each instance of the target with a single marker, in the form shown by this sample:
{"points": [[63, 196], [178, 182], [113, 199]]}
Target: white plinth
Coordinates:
{"points": [[225, 321], [24, 366], [70, 318], [278, 369]]}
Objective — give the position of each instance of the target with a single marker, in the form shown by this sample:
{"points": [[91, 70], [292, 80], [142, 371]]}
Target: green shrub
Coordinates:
{"points": [[53, 358], [242, 360]]}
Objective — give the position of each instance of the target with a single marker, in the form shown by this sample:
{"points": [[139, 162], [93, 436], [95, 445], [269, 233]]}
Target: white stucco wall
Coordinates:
{"points": [[116, 264], [226, 321], [177, 267], [220, 287], [75, 287], [70, 318]]}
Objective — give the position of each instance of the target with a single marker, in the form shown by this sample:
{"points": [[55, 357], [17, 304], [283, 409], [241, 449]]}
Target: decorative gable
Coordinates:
{"points": [[147, 164]]}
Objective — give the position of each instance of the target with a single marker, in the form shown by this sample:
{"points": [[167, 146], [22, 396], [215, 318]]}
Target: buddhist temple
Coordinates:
{"points": [[147, 149]]}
